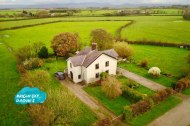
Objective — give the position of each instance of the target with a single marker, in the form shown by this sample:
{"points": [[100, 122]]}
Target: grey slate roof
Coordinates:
{"points": [[87, 56]]}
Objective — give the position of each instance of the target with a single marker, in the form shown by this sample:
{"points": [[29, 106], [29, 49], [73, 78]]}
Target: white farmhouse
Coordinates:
{"points": [[89, 63]]}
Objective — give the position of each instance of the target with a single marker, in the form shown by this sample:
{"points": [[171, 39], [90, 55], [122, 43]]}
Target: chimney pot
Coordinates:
{"points": [[94, 46]]}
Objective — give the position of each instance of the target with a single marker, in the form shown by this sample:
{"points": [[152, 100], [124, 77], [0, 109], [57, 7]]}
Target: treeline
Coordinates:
{"points": [[64, 11], [186, 15]]}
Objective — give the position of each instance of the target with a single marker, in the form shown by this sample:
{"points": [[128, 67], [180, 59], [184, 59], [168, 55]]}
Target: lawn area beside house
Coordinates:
{"points": [[10, 113], [115, 105], [166, 81], [155, 112], [140, 88]]}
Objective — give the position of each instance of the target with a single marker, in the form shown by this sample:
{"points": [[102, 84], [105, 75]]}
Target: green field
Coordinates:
{"points": [[45, 33], [10, 113], [158, 28]]}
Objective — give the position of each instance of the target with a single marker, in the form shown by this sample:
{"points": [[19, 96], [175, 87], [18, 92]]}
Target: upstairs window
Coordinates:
{"points": [[97, 75], [97, 66], [107, 63]]}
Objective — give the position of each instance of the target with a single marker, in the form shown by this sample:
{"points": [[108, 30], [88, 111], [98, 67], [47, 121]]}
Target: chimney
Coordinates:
{"points": [[94, 46]]}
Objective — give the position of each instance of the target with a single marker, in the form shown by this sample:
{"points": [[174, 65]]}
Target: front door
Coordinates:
{"points": [[71, 73]]}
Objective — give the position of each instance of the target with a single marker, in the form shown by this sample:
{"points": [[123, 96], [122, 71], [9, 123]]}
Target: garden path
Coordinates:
{"points": [[141, 80], [178, 116]]}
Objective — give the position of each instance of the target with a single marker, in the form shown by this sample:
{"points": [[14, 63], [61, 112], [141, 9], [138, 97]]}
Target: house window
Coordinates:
{"points": [[107, 63], [107, 71], [79, 76], [97, 75], [97, 66], [70, 65]]}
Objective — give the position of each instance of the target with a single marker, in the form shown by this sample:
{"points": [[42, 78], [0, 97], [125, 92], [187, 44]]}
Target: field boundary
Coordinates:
{"points": [[44, 23]]}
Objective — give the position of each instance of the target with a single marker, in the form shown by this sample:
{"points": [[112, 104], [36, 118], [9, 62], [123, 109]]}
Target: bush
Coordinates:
{"points": [[40, 115], [183, 83], [132, 84], [104, 75], [21, 69], [111, 87], [188, 58], [128, 113], [104, 122], [43, 53], [123, 49], [144, 63], [23, 54], [37, 78], [33, 63], [186, 15], [155, 71], [131, 94]]}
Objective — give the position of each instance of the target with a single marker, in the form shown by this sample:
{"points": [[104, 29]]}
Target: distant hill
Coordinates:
{"points": [[80, 5]]}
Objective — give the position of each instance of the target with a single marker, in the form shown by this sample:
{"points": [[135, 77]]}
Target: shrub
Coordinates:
{"points": [[123, 49], [128, 113], [144, 63], [188, 58], [33, 63], [37, 78], [183, 83], [104, 122], [141, 107], [111, 87], [21, 69], [43, 53], [104, 75], [23, 54], [40, 114], [155, 71], [132, 84], [131, 94]]}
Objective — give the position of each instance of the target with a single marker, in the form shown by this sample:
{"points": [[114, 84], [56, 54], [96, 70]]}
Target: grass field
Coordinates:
{"points": [[45, 33], [158, 28], [157, 111], [10, 113]]}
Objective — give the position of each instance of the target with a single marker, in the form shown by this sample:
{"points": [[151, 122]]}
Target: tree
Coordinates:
{"points": [[123, 49], [111, 87], [186, 15], [103, 39], [65, 43], [43, 53]]}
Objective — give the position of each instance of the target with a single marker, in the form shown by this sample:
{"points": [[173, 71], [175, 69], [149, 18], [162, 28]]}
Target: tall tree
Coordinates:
{"points": [[102, 38], [65, 43]]}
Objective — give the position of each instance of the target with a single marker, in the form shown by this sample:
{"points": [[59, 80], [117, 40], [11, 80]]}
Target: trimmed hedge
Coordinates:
{"points": [[131, 94], [146, 104]]}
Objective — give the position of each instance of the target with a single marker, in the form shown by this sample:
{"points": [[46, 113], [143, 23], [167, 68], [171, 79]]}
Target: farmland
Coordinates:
{"points": [[152, 28]]}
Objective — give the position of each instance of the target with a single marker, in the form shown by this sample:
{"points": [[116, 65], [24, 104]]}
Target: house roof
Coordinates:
{"points": [[87, 56]]}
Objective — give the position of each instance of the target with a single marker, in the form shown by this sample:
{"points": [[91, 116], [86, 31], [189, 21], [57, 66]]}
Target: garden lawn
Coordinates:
{"points": [[142, 72], [140, 88], [154, 113], [10, 113], [115, 105]]}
